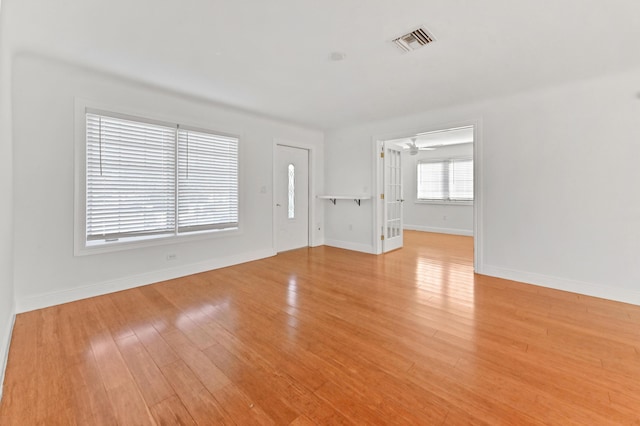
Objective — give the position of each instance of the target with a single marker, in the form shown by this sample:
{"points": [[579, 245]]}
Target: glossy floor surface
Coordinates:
{"points": [[328, 336]]}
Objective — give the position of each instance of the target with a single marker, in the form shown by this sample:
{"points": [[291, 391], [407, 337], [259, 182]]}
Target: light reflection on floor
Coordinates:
{"points": [[292, 291], [202, 314]]}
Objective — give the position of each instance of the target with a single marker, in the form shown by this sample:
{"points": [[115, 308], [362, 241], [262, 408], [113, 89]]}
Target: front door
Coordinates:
{"points": [[292, 198], [393, 237]]}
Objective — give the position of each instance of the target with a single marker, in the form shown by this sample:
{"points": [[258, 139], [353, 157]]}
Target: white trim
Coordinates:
{"points": [[437, 230], [348, 245], [5, 347], [443, 202], [581, 288], [377, 212], [318, 242], [478, 197], [139, 242], [58, 297]]}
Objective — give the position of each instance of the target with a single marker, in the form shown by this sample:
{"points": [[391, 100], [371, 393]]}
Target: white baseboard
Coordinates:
{"points": [[4, 351], [452, 231], [317, 243], [58, 297], [348, 245], [580, 287]]}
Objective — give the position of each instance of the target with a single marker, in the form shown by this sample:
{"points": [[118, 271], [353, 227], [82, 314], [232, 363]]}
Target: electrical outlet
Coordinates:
{"points": [[171, 256]]}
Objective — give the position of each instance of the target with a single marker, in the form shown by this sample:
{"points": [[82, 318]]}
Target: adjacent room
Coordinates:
{"points": [[338, 212]]}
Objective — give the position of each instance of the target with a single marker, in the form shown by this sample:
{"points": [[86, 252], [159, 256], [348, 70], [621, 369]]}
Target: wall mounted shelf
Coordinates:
{"points": [[334, 198]]}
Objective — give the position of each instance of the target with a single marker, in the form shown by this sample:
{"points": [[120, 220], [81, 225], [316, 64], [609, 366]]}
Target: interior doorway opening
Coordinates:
{"points": [[438, 179]]}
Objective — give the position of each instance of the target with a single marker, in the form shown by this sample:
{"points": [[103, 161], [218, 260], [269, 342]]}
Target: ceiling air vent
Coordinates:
{"points": [[414, 40]]}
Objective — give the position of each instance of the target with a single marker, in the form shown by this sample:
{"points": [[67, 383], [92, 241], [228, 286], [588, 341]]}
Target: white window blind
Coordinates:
{"points": [[207, 181], [461, 180], [430, 181], [146, 179], [445, 180], [130, 178]]}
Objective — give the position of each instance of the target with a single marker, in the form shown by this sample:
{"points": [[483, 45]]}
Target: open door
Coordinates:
{"points": [[393, 199]]}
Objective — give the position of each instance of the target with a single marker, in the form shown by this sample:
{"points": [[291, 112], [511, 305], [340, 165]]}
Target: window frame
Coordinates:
{"points": [[446, 201], [81, 247]]}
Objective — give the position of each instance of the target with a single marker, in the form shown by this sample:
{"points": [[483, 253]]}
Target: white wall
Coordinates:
{"points": [[433, 217], [46, 271], [7, 305], [560, 198], [348, 225]]}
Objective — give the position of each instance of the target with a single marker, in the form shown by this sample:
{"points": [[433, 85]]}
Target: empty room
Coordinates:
{"points": [[316, 213]]}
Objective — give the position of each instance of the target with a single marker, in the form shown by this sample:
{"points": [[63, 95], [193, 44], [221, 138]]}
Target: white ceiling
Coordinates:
{"points": [[272, 57]]}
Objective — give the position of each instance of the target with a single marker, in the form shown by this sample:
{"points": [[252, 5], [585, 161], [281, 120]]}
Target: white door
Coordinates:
{"points": [[292, 198], [392, 198]]}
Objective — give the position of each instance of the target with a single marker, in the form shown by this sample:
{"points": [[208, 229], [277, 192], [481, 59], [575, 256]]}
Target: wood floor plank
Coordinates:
{"points": [[55, 395], [171, 412], [329, 336], [146, 373], [210, 375], [91, 400], [127, 402], [240, 408], [198, 401], [302, 421], [271, 391]]}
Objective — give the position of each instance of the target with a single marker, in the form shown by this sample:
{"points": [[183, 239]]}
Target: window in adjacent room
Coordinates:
{"points": [[449, 180], [146, 180]]}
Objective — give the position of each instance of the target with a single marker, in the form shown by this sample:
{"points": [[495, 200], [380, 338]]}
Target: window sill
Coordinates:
{"points": [[445, 202], [98, 247]]}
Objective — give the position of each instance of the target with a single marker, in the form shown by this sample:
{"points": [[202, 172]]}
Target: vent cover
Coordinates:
{"points": [[414, 40]]}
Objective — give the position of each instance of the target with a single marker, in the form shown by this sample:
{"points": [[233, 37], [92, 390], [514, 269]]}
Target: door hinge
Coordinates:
{"points": [[382, 237], [382, 196], [382, 155]]}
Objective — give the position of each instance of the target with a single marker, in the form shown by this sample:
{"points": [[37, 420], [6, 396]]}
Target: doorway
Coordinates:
{"points": [[292, 197], [439, 183]]}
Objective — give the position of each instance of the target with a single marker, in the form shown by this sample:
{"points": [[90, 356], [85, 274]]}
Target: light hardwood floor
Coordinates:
{"points": [[328, 336]]}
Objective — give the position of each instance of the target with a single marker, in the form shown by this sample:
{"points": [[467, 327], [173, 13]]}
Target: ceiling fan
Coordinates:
{"points": [[413, 148]]}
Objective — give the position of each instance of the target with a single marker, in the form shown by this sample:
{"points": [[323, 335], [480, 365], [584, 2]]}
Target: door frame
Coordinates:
{"points": [[312, 198], [378, 183]]}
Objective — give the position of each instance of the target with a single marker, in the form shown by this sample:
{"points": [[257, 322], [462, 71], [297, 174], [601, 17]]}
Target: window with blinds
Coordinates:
{"points": [[146, 179], [207, 181], [445, 180]]}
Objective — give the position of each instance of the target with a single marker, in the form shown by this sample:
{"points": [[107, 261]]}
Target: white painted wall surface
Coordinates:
{"points": [[46, 271], [348, 225], [432, 217], [7, 305], [561, 205]]}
